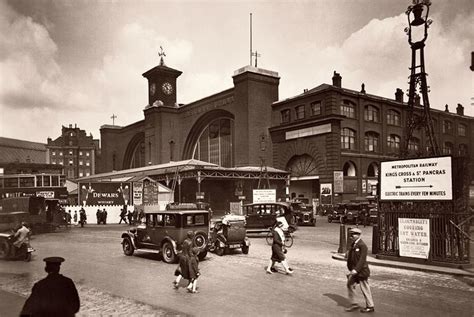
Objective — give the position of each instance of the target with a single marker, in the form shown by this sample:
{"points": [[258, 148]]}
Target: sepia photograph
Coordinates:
{"points": [[236, 158]]}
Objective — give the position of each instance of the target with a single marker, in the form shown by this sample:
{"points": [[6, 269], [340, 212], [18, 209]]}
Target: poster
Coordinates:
{"points": [[264, 195], [326, 194], [338, 182], [138, 193], [104, 193], [414, 237]]}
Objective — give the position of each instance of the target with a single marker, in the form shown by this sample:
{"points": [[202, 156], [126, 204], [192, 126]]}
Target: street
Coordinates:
{"points": [[111, 283]]}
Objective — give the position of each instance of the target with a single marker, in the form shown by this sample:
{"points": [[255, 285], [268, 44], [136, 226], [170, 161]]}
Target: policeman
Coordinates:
{"points": [[55, 295]]}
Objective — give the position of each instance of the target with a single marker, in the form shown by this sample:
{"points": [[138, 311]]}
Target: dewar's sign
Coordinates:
{"points": [[104, 193]]}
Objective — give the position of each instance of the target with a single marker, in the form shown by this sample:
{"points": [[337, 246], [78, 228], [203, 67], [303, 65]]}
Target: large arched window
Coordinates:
{"points": [[414, 144], [393, 142], [138, 156], [215, 143], [348, 109], [302, 165], [349, 169], [393, 117], [371, 113]]}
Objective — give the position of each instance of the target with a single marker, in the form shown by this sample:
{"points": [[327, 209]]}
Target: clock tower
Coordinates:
{"points": [[162, 83]]}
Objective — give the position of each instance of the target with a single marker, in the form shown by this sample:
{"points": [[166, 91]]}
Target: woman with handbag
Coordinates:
{"points": [[278, 250]]}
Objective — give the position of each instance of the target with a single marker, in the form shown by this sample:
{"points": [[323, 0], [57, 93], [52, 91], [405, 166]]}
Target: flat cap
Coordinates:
{"points": [[355, 230], [54, 260]]}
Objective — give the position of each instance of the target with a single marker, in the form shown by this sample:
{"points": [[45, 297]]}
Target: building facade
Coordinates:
{"points": [[329, 138], [75, 151]]}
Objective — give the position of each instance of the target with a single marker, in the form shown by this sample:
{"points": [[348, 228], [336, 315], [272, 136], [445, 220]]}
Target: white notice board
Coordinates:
{"points": [[417, 179], [264, 195], [414, 237]]}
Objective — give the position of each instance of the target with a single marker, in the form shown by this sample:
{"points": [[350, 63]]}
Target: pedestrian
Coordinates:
{"points": [[68, 218], [188, 242], [135, 215], [104, 216], [358, 272], [75, 217], [123, 213], [55, 295], [98, 214], [130, 217], [182, 271], [193, 270], [277, 250]]}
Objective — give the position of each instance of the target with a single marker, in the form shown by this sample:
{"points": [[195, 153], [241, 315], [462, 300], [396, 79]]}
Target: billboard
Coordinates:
{"points": [[416, 179], [104, 193]]}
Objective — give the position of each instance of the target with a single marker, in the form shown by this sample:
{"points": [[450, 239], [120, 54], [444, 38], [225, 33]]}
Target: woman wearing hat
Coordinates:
{"points": [[358, 272], [277, 250]]}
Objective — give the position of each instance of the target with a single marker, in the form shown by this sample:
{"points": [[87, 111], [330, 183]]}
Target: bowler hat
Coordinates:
{"points": [[355, 231], [54, 260]]}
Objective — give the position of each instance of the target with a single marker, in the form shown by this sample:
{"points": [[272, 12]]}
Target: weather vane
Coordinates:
{"points": [[113, 117], [161, 54], [257, 55]]}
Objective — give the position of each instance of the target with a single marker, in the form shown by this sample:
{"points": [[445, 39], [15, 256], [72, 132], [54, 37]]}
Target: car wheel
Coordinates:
{"points": [[200, 240], [168, 253], [127, 246], [314, 223], [219, 251], [27, 257], [329, 219], [245, 249], [4, 249], [202, 255]]}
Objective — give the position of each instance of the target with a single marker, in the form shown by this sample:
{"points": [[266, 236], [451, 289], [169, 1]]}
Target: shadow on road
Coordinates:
{"points": [[340, 300]]}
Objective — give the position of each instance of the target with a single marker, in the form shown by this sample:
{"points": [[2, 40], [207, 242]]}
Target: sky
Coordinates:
{"points": [[81, 61]]}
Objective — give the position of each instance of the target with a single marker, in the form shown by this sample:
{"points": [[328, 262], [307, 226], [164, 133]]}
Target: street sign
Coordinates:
{"points": [[417, 179]]}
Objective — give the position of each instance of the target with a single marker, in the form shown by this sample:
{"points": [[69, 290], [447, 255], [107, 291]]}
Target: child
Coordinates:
{"points": [[193, 270], [182, 271]]}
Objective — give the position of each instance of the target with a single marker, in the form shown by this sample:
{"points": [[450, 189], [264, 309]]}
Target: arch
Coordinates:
{"points": [[373, 170], [200, 126], [349, 169], [302, 165], [135, 154]]}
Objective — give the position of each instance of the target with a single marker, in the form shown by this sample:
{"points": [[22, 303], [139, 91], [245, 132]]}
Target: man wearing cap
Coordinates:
{"points": [[358, 272], [55, 295]]}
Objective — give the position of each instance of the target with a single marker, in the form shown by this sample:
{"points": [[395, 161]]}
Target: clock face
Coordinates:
{"points": [[167, 88], [152, 89]]}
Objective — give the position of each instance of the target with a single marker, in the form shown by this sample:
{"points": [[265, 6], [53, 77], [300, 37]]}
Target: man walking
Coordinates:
{"points": [[358, 272]]}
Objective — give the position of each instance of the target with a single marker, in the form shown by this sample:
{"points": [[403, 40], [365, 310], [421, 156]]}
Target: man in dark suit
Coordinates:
{"points": [[55, 295], [358, 272]]}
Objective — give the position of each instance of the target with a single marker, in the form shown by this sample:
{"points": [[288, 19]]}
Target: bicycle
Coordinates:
{"points": [[288, 238]]}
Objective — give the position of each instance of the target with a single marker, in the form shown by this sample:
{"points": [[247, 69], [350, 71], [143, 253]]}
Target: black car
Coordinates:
{"points": [[304, 214], [262, 216], [165, 231], [338, 213]]}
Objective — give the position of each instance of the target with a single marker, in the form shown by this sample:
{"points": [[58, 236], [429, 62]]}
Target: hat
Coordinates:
{"points": [[355, 231], [54, 260]]}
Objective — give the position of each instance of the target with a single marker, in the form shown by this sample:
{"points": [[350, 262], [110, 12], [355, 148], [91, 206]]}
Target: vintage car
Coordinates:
{"points": [[229, 233], [165, 231], [262, 216], [304, 214], [338, 213]]}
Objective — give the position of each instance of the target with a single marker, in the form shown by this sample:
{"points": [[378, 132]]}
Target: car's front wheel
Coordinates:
{"points": [[202, 255], [4, 248], [127, 246], [168, 253], [245, 249]]}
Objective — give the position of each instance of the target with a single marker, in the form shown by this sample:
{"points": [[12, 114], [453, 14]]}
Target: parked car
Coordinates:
{"points": [[165, 231], [229, 233], [304, 214], [338, 213], [262, 216]]}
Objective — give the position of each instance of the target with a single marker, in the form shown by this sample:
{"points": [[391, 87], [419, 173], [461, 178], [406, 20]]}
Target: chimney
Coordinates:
{"points": [[460, 110], [336, 80], [446, 108], [70, 126], [362, 88], [399, 95]]}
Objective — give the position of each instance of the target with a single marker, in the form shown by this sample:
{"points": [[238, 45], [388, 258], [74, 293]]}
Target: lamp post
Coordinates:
{"points": [[417, 15]]}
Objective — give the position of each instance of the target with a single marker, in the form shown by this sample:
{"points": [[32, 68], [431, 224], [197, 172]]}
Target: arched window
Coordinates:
{"points": [[371, 113], [302, 165], [373, 170], [447, 148], [393, 117], [348, 109], [371, 142], [348, 139], [215, 143], [414, 144], [138, 156], [393, 142], [463, 150], [349, 169], [462, 128]]}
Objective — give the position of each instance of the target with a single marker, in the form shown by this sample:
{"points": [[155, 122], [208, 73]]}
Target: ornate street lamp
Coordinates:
{"points": [[417, 14]]}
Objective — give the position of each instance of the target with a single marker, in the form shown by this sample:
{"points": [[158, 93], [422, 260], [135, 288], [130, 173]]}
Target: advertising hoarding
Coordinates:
{"points": [[414, 237], [104, 193]]}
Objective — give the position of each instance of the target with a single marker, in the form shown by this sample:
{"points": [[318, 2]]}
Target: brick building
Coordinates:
{"points": [[75, 151], [325, 134]]}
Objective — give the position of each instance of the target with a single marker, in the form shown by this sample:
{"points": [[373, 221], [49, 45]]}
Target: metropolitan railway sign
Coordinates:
{"points": [[416, 179]]}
